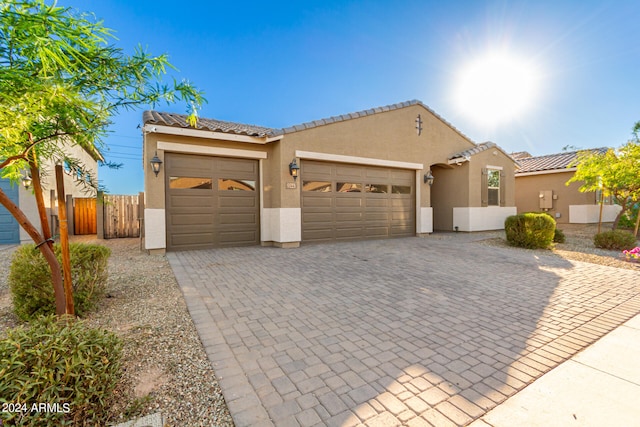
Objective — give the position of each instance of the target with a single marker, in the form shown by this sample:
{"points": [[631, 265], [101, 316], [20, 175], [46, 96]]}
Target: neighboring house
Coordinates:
{"points": [[361, 175], [10, 231], [541, 187]]}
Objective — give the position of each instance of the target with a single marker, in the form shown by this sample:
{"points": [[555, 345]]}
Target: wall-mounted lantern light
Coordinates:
{"points": [[27, 181], [428, 178], [294, 169], [155, 164]]}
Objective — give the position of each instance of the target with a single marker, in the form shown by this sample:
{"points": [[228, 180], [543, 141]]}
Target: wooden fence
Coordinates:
{"points": [[121, 216], [84, 216]]}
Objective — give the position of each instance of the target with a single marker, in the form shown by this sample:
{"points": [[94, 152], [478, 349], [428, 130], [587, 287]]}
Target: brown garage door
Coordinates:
{"points": [[344, 201], [211, 201]]}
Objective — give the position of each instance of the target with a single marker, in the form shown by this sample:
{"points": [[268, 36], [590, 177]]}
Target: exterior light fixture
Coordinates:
{"points": [[155, 164], [428, 178], [294, 169], [27, 181]]}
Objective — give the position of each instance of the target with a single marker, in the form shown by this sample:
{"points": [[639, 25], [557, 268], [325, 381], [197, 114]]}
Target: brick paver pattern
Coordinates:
{"points": [[416, 331]]}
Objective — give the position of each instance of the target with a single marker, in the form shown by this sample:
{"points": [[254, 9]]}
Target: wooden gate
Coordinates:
{"points": [[121, 216], [84, 216]]}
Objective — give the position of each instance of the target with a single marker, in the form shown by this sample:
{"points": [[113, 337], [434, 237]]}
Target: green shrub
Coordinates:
{"points": [[615, 239], [59, 362], [31, 286], [558, 236], [530, 230], [628, 220]]}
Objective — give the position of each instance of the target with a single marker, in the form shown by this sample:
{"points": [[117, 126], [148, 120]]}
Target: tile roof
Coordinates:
{"points": [[464, 155], [550, 162], [520, 155], [179, 120]]}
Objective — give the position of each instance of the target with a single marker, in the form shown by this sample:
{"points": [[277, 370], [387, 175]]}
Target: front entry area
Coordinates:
{"points": [[344, 201], [211, 201]]}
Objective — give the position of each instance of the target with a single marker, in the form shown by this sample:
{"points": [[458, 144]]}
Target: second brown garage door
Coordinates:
{"points": [[211, 201], [344, 201]]}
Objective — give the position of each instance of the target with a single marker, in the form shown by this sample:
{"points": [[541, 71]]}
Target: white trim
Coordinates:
{"points": [[481, 218], [198, 133], [311, 155], [545, 172], [212, 151], [589, 214], [155, 233], [495, 168], [417, 199], [282, 225], [426, 220]]}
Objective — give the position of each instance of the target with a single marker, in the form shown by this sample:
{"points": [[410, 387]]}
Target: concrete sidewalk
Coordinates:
{"points": [[600, 386]]}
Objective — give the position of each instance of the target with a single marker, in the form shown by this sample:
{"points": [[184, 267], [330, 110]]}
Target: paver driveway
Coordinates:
{"points": [[414, 331]]}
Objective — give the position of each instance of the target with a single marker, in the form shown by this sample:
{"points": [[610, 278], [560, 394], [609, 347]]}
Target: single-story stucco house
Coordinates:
{"points": [[10, 230], [398, 170], [541, 187]]}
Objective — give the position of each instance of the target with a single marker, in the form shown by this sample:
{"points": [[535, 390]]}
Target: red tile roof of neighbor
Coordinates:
{"points": [[550, 162]]}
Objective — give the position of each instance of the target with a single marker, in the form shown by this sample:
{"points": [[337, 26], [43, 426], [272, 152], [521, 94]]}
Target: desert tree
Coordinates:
{"points": [[62, 79]]}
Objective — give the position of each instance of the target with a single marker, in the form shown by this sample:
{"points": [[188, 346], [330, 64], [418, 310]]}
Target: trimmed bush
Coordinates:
{"points": [[30, 279], [62, 363], [530, 230], [558, 236], [615, 239]]}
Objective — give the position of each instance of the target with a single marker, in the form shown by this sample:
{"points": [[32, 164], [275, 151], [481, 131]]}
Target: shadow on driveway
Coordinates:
{"points": [[394, 332]]}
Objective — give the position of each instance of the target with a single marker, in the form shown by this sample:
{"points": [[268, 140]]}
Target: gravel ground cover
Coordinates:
{"points": [[165, 366]]}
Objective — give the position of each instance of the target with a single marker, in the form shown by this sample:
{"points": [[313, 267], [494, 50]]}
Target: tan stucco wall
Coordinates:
{"points": [[154, 186], [450, 189], [387, 136], [486, 159], [528, 189], [457, 186]]}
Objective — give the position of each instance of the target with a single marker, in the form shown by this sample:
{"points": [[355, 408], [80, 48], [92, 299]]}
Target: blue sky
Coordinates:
{"points": [[280, 63]]}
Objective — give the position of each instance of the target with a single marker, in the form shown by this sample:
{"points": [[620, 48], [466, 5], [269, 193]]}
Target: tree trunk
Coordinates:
{"points": [[47, 252], [622, 211], [37, 191]]}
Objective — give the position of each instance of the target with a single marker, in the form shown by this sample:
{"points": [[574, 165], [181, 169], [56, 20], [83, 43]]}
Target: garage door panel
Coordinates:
{"points": [[182, 201], [371, 202], [192, 219], [377, 216], [185, 239], [314, 168], [348, 217], [349, 232], [237, 237], [377, 173], [381, 231], [225, 214], [320, 234], [309, 201], [237, 165], [348, 202], [237, 218], [368, 213], [348, 171], [317, 217], [237, 202]]}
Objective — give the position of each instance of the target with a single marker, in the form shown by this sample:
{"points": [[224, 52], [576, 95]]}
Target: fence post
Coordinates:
{"points": [[100, 215], [70, 216]]}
